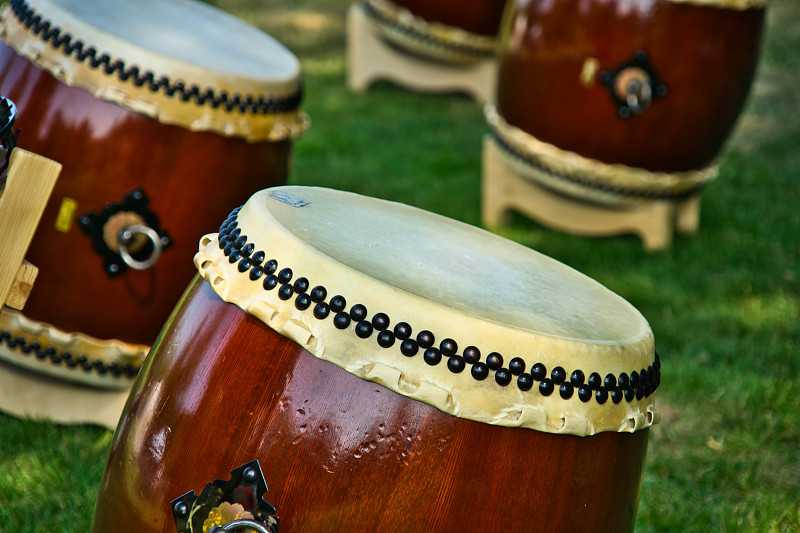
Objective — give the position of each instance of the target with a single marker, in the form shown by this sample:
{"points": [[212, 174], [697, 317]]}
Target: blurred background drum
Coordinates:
{"points": [[453, 31], [165, 115], [619, 101], [388, 369]]}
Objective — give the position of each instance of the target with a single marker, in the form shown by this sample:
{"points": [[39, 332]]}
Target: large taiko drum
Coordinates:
{"points": [[622, 101], [368, 366], [453, 31], [165, 114]]}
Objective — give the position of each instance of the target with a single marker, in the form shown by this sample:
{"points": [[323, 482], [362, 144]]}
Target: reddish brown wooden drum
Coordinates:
{"points": [[446, 30], [165, 117], [655, 85], [372, 408]]}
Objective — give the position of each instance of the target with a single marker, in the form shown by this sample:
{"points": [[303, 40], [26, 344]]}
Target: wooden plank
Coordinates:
{"points": [[22, 286], [30, 181]]}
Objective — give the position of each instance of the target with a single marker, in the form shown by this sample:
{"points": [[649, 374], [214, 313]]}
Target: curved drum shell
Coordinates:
{"points": [[192, 179], [338, 453], [706, 56], [475, 16]]}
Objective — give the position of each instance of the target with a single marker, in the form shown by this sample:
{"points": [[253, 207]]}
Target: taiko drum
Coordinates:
{"points": [[344, 363], [619, 100], [165, 114]]}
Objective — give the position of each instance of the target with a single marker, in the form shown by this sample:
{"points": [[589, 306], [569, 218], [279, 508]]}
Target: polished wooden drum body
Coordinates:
{"points": [[166, 144], [441, 30], [362, 427], [655, 85]]}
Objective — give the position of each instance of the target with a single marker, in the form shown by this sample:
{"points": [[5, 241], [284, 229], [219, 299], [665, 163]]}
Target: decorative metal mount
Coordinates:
{"points": [[126, 234], [240, 497], [633, 85]]}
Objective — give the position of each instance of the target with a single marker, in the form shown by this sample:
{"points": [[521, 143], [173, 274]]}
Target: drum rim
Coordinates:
{"points": [[565, 402], [191, 96]]}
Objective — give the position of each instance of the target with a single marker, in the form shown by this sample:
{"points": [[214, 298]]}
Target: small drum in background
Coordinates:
{"points": [[165, 115], [452, 31], [350, 364], [621, 102]]}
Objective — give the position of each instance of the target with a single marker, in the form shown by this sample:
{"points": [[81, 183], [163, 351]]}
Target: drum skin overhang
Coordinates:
{"points": [[590, 400]]}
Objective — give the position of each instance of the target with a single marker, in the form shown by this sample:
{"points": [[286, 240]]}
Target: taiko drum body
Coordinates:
{"points": [[655, 85], [161, 127], [303, 361]]}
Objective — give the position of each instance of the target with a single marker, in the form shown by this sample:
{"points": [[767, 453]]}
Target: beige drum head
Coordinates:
{"points": [[181, 62], [499, 312]]}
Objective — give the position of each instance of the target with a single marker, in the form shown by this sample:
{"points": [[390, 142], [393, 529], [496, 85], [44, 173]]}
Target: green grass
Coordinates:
{"points": [[724, 304]]}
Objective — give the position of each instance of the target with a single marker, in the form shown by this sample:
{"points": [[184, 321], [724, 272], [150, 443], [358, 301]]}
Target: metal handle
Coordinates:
{"points": [[639, 94], [126, 237], [242, 523]]}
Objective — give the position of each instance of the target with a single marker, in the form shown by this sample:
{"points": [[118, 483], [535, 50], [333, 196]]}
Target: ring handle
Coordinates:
{"points": [[242, 523], [126, 237]]}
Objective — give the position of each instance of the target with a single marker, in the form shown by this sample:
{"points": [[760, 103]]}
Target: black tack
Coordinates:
{"points": [[480, 371], [472, 355], [616, 395], [402, 330], [516, 366], [546, 387], [319, 293], [525, 382], [302, 302], [270, 282], [601, 395], [585, 393], [432, 356], [285, 292], [539, 372], [595, 381], [449, 347], [363, 329], [610, 381], [559, 375], [228, 250], [630, 394], [425, 339], [408, 347], [380, 321], [338, 304], [494, 361], [285, 275], [258, 257], [239, 242], [456, 364], [386, 339], [358, 312], [271, 266], [235, 233], [565, 390], [301, 285], [244, 264], [623, 381], [577, 378], [341, 320], [634, 379], [235, 256], [248, 249], [256, 272], [321, 310], [503, 377], [639, 393]]}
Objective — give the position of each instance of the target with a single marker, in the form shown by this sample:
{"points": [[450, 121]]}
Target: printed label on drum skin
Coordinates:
{"points": [[66, 213], [291, 199]]}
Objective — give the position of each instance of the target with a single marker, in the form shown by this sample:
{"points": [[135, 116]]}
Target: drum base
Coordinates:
{"points": [[370, 58], [27, 395], [653, 222]]}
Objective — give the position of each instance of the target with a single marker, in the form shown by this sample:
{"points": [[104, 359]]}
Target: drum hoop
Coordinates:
{"points": [[432, 39], [73, 357], [568, 407], [224, 110], [574, 174]]}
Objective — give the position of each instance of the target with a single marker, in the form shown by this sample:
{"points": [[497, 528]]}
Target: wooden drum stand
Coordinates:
{"points": [[370, 58], [503, 189]]}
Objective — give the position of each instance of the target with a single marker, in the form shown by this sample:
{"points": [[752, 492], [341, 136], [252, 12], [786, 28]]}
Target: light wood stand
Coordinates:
{"points": [[370, 58], [653, 222]]}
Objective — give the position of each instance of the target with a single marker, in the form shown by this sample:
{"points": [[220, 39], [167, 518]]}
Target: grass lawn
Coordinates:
{"points": [[724, 304]]}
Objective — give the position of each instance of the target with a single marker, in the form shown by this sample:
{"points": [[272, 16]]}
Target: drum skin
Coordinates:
{"points": [[706, 57], [475, 16], [192, 180], [338, 453]]}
